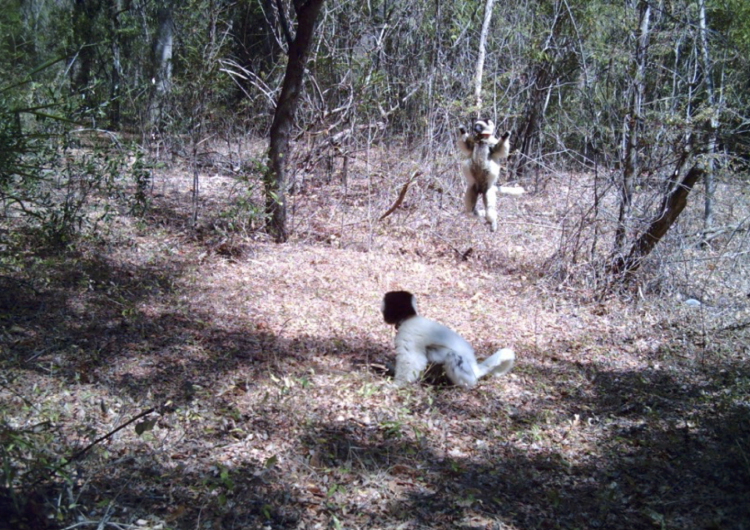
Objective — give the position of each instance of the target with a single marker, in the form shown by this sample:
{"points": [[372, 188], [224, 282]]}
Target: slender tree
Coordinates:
{"points": [[283, 119], [632, 124], [84, 32], [482, 54], [671, 207], [113, 10], [162, 59], [713, 122]]}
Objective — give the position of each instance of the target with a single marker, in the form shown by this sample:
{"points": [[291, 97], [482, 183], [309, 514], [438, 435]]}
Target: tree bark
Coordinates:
{"points": [[283, 119], [531, 125], [114, 8], [713, 125], [162, 61], [671, 208], [631, 128], [481, 55], [84, 13]]}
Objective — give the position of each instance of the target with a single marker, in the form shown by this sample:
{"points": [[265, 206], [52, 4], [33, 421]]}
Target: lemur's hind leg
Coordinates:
{"points": [[490, 207], [471, 197]]}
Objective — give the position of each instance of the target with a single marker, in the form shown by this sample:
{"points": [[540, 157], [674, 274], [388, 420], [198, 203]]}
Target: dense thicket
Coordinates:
{"points": [[639, 92], [161, 366], [565, 66]]}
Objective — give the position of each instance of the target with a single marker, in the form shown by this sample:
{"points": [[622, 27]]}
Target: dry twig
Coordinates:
{"points": [[401, 195]]}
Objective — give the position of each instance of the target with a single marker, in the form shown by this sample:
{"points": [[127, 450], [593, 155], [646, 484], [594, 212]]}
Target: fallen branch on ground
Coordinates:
{"points": [[401, 195]]}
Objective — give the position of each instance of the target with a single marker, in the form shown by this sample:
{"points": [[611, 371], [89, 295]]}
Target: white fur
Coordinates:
{"points": [[481, 168], [511, 190], [420, 340]]}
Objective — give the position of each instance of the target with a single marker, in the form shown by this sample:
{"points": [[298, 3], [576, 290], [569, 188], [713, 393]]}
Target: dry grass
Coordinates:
{"points": [[265, 363]]}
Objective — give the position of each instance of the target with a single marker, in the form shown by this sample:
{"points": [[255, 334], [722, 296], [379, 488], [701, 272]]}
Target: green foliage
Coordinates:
{"points": [[29, 456], [46, 182], [10, 36], [23, 154], [202, 92], [12, 144], [245, 209], [731, 18]]}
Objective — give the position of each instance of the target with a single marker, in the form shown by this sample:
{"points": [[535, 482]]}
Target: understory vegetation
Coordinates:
{"points": [[265, 367], [165, 363]]}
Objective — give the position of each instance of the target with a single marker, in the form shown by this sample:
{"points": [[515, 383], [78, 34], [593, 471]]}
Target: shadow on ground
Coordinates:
{"points": [[599, 448]]}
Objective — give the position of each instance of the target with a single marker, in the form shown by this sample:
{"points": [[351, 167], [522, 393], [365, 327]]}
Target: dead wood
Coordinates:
{"points": [[401, 195], [671, 208]]}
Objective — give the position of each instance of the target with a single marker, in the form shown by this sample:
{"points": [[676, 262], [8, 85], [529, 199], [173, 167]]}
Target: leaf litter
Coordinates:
{"points": [[268, 366]]}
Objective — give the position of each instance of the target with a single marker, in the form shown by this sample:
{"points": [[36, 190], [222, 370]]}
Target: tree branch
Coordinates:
{"points": [[284, 23], [672, 205], [401, 195], [79, 454]]}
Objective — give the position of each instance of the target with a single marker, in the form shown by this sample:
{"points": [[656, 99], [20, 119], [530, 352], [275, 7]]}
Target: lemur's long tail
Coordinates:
{"points": [[511, 190], [498, 363]]}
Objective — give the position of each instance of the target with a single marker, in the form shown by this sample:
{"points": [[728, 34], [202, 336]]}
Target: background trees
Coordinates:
{"points": [[286, 108], [635, 93], [137, 145]]}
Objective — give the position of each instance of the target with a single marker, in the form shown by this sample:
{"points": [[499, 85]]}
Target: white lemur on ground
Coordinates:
{"points": [[483, 153], [420, 340]]}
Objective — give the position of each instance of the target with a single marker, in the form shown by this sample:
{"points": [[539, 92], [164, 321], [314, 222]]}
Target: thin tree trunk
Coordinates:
{"points": [[533, 115], [541, 76], [162, 61], [283, 119], [114, 8], [687, 141], [481, 55], [83, 23], [713, 126], [671, 208], [631, 128]]}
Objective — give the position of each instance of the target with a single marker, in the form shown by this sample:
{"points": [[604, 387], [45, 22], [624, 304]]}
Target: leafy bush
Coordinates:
{"points": [[47, 182]]}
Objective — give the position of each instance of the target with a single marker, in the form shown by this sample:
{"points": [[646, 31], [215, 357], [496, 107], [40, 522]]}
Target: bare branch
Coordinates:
{"points": [[401, 195]]}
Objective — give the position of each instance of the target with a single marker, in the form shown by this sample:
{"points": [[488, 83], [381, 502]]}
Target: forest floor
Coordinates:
{"points": [[266, 367]]}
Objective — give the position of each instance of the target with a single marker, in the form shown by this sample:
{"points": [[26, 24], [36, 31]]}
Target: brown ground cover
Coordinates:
{"points": [[265, 364]]}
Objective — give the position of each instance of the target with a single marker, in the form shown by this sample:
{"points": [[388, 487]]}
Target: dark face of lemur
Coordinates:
{"points": [[398, 306], [483, 130]]}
